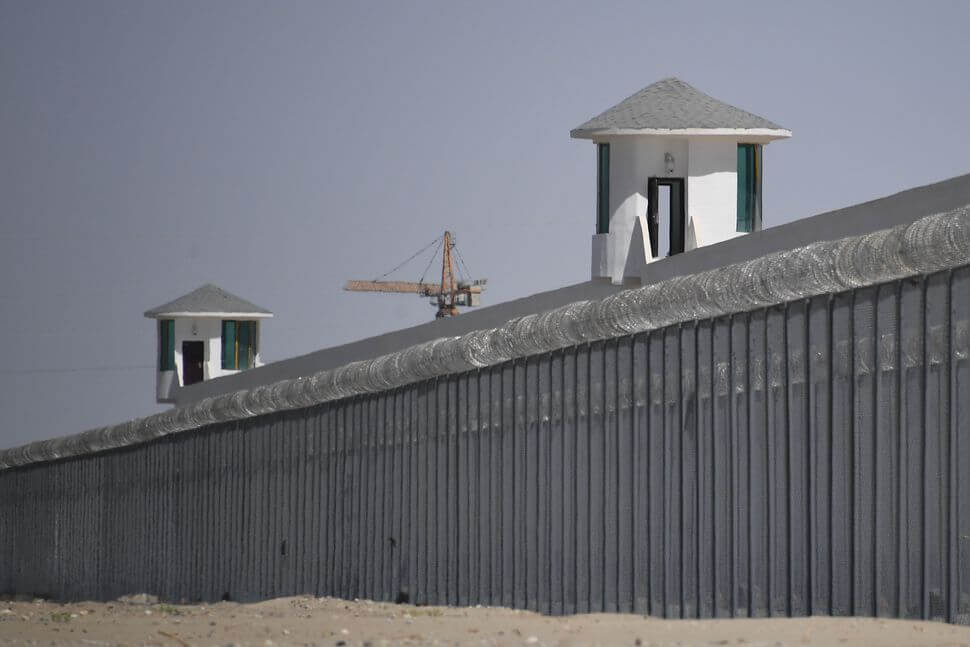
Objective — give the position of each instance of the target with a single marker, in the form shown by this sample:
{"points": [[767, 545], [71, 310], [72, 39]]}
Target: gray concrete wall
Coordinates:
{"points": [[811, 457]]}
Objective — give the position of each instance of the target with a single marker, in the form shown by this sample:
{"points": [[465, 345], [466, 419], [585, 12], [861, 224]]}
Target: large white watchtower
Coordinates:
{"points": [[677, 170]]}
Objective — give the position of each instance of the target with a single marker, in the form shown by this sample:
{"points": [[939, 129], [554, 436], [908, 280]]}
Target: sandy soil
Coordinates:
{"points": [[327, 621]]}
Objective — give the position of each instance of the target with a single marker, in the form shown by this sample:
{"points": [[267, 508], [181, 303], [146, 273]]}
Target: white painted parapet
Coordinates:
{"points": [[600, 261], [712, 190], [633, 161]]}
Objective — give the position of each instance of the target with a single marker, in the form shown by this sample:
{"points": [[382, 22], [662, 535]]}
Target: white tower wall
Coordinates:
{"points": [[708, 165], [712, 191], [209, 331]]}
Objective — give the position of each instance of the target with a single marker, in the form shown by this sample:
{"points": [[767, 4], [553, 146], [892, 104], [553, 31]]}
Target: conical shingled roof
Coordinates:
{"points": [[209, 300], [671, 104]]}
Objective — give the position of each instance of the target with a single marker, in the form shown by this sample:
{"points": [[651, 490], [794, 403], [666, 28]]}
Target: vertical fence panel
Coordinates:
{"points": [[218, 543], [558, 482], [936, 450], [395, 484], [235, 513], [688, 443], [362, 510], [760, 465], [911, 418], [742, 475], [469, 528], [799, 465], [655, 469], [570, 480], [273, 505], [302, 563], [625, 469], [531, 482], [499, 477], [341, 467], [543, 479], [409, 521], [519, 539], [723, 470], [960, 433], [640, 481], [778, 460], [820, 433], [214, 511], [261, 507], [597, 504], [451, 496], [673, 508], [369, 482], [437, 494], [383, 533], [864, 451], [582, 500], [255, 489], [609, 477], [6, 528], [705, 472], [423, 538], [887, 473], [842, 452]]}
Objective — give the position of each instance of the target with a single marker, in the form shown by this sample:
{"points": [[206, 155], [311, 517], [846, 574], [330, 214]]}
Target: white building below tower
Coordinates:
{"points": [[676, 170]]}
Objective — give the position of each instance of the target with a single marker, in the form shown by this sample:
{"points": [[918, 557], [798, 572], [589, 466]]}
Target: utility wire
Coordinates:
{"points": [[79, 369]]}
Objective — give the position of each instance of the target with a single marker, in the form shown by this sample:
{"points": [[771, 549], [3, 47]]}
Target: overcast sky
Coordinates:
{"points": [[279, 148]]}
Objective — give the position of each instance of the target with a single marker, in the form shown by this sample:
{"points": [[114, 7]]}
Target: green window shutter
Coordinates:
{"points": [[229, 345], [603, 189], [166, 344], [743, 223], [170, 353], [162, 345], [253, 342], [749, 188], [245, 338], [756, 219]]}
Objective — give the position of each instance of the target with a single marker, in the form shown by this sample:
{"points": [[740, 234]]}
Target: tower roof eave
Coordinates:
{"points": [[760, 134], [209, 301]]}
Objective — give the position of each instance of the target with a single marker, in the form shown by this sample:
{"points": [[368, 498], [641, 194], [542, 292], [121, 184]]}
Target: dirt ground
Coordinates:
{"points": [[327, 621]]}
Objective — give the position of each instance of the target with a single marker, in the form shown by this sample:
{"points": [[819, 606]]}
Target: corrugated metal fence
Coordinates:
{"points": [[812, 457]]}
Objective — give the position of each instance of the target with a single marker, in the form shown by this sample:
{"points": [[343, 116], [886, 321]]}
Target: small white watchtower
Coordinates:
{"points": [[202, 335], [677, 170]]}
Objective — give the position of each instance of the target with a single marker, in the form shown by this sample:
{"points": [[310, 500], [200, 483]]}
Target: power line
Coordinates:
{"points": [[77, 369]]}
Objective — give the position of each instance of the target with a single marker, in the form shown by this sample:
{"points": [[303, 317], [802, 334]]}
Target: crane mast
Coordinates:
{"points": [[446, 298]]}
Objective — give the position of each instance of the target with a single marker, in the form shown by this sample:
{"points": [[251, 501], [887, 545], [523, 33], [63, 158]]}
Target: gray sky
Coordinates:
{"points": [[277, 149]]}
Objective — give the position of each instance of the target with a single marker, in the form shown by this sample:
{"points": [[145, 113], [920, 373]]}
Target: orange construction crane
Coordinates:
{"points": [[447, 295]]}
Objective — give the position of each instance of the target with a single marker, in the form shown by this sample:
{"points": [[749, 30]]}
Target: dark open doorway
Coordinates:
{"points": [[666, 215], [193, 355]]}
